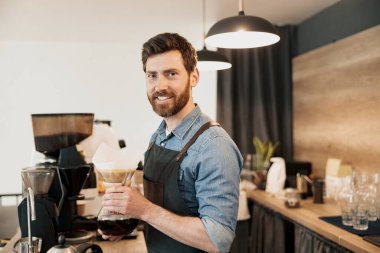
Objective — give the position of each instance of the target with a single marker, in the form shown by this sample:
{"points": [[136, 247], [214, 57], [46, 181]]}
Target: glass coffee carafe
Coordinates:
{"points": [[113, 223]]}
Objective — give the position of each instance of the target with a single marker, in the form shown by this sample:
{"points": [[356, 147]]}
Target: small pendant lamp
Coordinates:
{"points": [[210, 60], [242, 32]]}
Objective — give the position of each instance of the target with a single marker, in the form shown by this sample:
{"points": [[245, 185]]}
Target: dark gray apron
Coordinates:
{"points": [[161, 187]]}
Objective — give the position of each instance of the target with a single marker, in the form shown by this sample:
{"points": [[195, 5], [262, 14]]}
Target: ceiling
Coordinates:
{"points": [[279, 12], [128, 21]]}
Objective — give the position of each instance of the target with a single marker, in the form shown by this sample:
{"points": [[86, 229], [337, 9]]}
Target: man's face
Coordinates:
{"points": [[168, 83]]}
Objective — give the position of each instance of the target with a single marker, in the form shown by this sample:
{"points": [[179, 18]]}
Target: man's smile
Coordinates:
{"points": [[163, 98]]}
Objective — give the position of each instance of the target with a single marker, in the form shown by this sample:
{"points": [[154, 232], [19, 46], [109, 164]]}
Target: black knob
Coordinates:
{"points": [[61, 240]]}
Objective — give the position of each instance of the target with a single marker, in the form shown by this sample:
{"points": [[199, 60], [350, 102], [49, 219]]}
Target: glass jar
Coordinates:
{"points": [[292, 198], [113, 223]]}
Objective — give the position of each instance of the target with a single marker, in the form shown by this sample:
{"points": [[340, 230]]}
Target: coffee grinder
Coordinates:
{"points": [[39, 179], [56, 136]]}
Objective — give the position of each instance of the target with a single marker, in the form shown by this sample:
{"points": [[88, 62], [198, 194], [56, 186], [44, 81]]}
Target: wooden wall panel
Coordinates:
{"points": [[336, 98]]}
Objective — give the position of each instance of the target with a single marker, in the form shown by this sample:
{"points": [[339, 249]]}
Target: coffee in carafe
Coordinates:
{"points": [[116, 224], [113, 223]]}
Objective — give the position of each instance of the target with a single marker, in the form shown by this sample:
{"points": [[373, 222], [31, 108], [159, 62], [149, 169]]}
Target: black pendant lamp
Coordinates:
{"points": [[242, 32], [210, 60]]}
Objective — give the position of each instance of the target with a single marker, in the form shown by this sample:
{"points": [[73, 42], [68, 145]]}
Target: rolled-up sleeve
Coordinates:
{"points": [[221, 236], [217, 189]]}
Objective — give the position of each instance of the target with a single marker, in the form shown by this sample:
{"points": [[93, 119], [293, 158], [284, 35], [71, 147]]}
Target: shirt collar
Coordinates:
{"points": [[184, 126]]}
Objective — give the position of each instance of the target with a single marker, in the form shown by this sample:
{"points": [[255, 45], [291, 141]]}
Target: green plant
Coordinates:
{"points": [[264, 152]]}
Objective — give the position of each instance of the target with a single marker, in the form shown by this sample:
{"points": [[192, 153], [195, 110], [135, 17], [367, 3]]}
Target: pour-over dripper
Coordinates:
{"points": [[114, 177], [114, 166], [38, 178], [74, 178]]}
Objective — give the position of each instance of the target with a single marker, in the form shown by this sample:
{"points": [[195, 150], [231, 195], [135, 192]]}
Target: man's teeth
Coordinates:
{"points": [[162, 98]]}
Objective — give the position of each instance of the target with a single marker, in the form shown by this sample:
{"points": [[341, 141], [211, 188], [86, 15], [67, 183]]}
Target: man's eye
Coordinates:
{"points": [[172, 74], [151, 76]]}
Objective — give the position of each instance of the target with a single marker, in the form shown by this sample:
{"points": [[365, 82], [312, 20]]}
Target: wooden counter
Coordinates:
{"points": [[137, 245], [308, 216]]}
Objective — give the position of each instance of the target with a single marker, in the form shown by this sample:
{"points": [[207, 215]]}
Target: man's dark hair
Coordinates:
{"points": [[166, 42]]}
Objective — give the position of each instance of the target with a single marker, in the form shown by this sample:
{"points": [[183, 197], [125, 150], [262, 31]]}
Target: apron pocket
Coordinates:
{"points": [[154, 191]]}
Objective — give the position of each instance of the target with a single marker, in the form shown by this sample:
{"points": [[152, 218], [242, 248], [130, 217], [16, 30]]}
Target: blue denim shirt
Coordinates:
{"points": [[209, 175]]}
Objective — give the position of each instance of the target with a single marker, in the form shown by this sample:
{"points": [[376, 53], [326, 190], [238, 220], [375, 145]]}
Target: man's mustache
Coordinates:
{"points": [[162, 94]]}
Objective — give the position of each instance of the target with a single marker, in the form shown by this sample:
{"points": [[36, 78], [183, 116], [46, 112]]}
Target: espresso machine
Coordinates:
{"points": [[56, 136]]}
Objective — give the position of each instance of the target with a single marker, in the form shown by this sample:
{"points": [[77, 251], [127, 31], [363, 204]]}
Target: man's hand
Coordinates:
{"points": [[129, 201], [125, 200], [110, 237]]}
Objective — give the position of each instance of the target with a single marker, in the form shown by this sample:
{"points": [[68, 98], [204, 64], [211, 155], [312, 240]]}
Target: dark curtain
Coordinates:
{"points": [[240, 243], [270, 232], [254, 97], [308, 241]]}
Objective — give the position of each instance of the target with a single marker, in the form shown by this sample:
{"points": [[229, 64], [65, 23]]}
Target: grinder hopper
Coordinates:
{"points": [[53, 132]]}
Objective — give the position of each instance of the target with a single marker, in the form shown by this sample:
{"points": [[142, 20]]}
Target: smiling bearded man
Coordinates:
{"points": [[191, 167]]}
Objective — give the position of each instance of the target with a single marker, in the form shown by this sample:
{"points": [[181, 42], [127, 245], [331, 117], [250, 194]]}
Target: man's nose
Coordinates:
{"points": [[162, 84]]}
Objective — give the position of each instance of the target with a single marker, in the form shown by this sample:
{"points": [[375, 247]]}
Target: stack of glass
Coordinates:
{"points": [[359, 199]]}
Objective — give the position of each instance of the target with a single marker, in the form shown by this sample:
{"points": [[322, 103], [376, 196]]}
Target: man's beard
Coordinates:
{"points": [[170, 109]]}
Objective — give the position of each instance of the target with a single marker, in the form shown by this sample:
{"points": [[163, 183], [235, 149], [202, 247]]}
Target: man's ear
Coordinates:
{"points": [[194, 77]]}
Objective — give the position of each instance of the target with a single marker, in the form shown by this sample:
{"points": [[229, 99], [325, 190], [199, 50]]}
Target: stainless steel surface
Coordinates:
{"points": [[26, 247], [301, 183], [31, 213], [77, 237], [62, 247]]}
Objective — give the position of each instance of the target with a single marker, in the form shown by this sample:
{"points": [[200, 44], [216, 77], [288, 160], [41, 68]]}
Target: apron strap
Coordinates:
{"points": [[203, 128], [152, 143]]}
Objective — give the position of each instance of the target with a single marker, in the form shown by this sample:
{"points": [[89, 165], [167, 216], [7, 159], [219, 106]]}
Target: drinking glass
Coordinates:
{"points": [[376, 182], [368, 183], [372, 212], [361, 207], [246, 172], [361, 178], [346, 201], [360, 218]]}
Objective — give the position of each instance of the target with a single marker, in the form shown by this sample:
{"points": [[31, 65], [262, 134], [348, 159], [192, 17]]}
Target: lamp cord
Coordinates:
{"points": [[204, 23], [241, 7]]}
